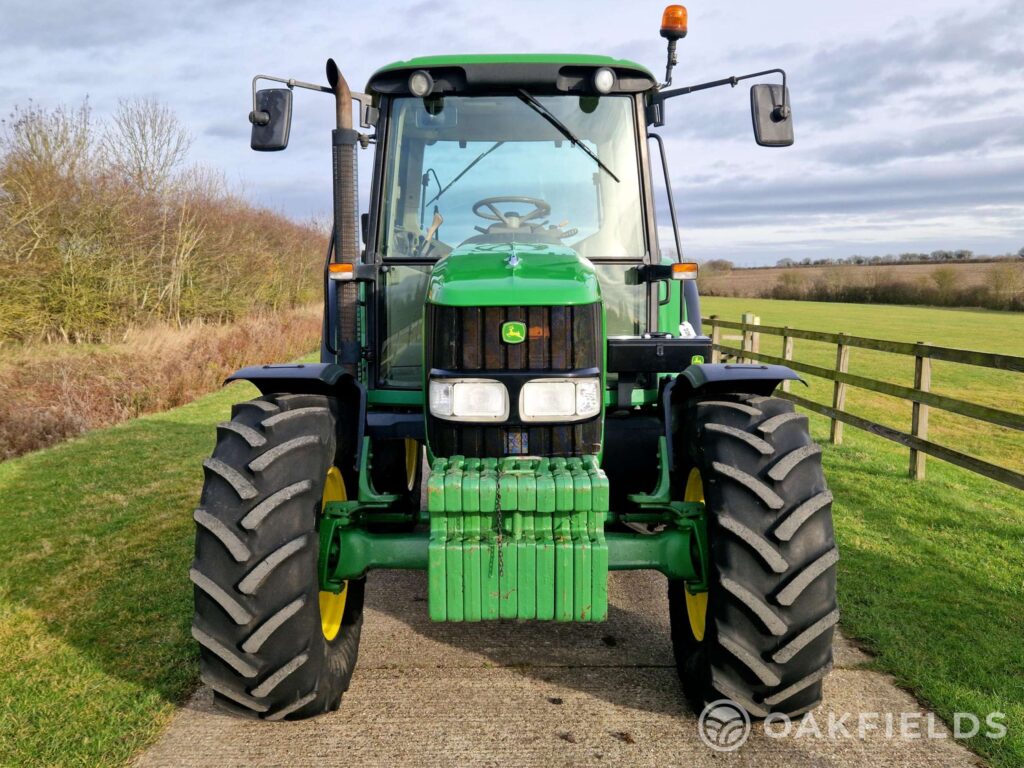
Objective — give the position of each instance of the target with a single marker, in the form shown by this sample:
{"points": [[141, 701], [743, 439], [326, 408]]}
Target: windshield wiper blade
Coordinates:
{"points": [[563, 129], [464, 171]]}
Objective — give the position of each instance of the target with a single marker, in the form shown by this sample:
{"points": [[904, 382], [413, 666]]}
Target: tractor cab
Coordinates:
{"points": [[482, 163]]}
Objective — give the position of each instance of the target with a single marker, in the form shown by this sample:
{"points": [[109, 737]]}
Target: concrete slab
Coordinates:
{"points": [[535, 694]]}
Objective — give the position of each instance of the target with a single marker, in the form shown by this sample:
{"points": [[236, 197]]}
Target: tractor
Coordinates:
{"points": [[515, 395]]}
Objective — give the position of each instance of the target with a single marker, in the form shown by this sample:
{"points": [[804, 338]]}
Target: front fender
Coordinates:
{"points": [[716, 379], [293, 378], [752, 379], [317, 379]]}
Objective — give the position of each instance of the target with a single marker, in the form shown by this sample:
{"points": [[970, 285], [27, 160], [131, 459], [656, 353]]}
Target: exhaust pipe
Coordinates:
{"points": [[346, 221]]}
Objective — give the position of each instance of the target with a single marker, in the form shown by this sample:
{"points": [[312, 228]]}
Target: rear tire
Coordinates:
{"points": [[771, 606], [257, 612]]}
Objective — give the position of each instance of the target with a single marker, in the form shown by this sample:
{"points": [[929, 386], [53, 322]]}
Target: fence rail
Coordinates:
{"points": [[919, 395]]}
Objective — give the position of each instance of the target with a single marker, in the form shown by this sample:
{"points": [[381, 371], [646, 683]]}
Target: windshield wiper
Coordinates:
{"points": [[563, 129], [463, 172]]}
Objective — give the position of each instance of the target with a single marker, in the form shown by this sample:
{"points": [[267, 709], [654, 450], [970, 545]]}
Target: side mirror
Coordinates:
{"points": [[773, 120], [272, 119]]}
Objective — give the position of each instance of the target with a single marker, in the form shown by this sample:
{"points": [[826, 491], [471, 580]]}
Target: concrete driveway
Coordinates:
{"points": [[504, 694]]}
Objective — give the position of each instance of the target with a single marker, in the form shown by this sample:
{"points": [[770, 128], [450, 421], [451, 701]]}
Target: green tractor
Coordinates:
{"points": [[515, 396]]}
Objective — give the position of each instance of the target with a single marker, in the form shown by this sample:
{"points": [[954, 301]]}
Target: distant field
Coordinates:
{"points": [[755, 281], [964, 329]]}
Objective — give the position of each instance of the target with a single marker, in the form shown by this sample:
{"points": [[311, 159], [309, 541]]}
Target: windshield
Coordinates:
{"points": [[485, 169]]}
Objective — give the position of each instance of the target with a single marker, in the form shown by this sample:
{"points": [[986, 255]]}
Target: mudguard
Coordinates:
{"points": [[755, 379], [293, 378], [715, 379], [317, 379]]}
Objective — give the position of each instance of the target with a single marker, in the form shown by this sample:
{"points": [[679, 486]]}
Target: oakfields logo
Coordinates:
{"points": [[725, 726]]}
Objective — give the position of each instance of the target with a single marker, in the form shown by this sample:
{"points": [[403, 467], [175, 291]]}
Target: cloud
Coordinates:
{"points": [[850, 79], [941, 139], [908, 115], [902, 193]]}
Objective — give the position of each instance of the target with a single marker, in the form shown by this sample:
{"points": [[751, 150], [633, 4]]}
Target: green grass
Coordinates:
{"points": [[95, 603], [931, 579]]}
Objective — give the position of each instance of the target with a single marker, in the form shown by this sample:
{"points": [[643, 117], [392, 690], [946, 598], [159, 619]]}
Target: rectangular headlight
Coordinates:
{"points": [[469, 400], [560, 399]]}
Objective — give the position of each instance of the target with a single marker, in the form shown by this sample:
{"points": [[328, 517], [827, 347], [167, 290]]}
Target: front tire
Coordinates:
{"points": [[771, 605], [263, 648]]}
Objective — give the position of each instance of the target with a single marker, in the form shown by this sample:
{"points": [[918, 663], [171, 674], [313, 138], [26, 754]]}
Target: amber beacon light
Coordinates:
{"points": [[673, 22]]}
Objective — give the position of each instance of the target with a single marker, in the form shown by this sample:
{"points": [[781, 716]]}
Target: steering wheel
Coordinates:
{"points": [[540, 208]]}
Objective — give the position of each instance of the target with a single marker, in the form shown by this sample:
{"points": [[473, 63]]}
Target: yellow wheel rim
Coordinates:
{"points": [[696, 605], [332, 606], [412, 461]]}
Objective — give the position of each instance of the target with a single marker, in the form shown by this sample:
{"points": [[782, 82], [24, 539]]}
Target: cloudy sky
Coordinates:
{"points": [[909, 113]]}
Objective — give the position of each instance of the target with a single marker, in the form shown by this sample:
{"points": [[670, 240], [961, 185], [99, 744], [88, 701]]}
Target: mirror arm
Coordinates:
{"points": [[262, 118], [781, 112], [366, 110]]}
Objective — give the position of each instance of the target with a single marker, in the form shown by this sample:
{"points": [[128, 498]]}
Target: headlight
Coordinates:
{"points": [[560, 399], [469, 400]]}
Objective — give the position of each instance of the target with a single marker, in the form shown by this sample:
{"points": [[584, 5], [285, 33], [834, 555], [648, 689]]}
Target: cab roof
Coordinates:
{"points": [[541, 72]]}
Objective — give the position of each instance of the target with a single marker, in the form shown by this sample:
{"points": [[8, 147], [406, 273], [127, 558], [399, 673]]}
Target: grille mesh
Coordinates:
{"points": [[468, 340]]}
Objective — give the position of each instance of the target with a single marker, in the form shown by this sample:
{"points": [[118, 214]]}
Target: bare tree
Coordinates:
{"points": [[57, 140], [146, 143]]}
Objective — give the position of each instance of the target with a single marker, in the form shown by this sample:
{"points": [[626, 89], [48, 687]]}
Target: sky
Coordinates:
{"points": [[909, 115]]}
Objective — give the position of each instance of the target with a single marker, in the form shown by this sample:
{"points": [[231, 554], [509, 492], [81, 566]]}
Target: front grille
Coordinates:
{"points": [[467, 340]]}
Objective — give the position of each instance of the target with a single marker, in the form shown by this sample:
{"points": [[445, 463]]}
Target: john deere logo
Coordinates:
{"points": [[513, 332]]}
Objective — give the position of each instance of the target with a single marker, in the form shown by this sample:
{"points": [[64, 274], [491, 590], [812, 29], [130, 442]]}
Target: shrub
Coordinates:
{"points": [[790, 285], [49, 393], [105, 227]]}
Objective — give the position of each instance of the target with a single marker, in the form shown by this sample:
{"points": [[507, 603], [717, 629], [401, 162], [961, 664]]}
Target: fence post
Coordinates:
{"points": [[787, 353], [716, 339], [919, 413], [746, 319], [751, 341], [839, 390]]}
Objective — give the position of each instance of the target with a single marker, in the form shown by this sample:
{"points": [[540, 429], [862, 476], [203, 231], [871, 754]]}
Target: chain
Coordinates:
{"points": [[501, 525]]}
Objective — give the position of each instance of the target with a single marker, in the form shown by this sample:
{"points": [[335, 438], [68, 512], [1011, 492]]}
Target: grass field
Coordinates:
{"points": [[95, 601]]}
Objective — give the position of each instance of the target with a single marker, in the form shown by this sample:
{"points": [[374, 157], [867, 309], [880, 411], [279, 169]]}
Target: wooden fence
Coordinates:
{"points": [[919, 394]]}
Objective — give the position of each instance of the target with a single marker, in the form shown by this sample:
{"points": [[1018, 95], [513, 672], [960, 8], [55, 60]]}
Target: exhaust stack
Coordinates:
{"points": [[346, 219]]}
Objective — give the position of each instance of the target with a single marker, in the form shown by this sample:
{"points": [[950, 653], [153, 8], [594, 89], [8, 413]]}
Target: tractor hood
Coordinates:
{"points": [[513, 274]]}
